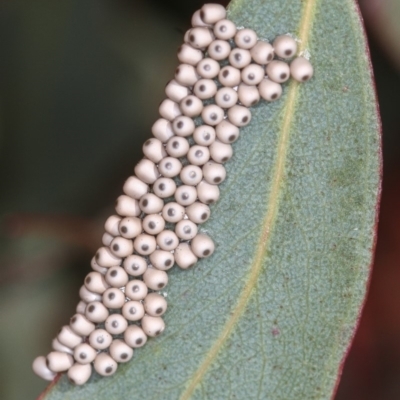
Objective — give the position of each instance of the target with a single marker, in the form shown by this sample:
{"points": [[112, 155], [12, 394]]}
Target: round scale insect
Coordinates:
{"points": [[116, 324], [248, 95], [208, 194], [239, 58], [58, 361], [197, 21], [105, 258], [183, 125], [162, 128], [200, 37], [135, 337], [186, 75], [152, 326], [184, 256], [226, 97], [253, 74], [301, 69], [189, 55], [177, 147], [133, 310], [278, 71], [175, 92], [105, 365], [40, 368], [136, 289], [229, 76], [96, 312], [155, 305], [262, 53], [146, 171], [185, 195], [155, 279], [219, 50], [285, 46], [87, 296], [208, 68], [84, 353], [57, 346], [112, 223], [135, 265], [270, 90], [96, 267], [169, 109], [121, 247], [167, 240], [157, 216], [68, 337], [198, 155], [186, 229], [170, 167], [191, 106], [120, 351], [116, 277], [173, 212], [130, 227], [221, 152], [198, 212], [79, 374], [95, 282], [212, 115], [113, 298], [153, 224], [239, 115], [225, 29], [227, 132], [100, 339], [106, 239], [144, 244], [154, 150], [151, 203], [204, 135], [212, 13], [81, 325], [214, 173], [202, 245], [162, 259], [126, 206], [191, 175], [245, 38], [204, 89], [81, 307]]}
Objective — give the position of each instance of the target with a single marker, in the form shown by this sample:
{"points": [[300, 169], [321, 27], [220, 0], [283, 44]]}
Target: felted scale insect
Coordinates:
{"points": [[184, 160]]}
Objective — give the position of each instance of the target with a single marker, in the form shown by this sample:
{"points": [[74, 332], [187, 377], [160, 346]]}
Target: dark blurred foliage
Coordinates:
{"points": [[372, 369], [80, 84]]}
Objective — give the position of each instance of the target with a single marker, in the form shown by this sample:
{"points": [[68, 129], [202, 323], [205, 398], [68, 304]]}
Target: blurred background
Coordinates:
{"points": [[80, 84]]}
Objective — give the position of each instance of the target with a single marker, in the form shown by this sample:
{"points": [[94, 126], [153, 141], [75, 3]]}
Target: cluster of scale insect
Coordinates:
{"points": [[224, 71]]}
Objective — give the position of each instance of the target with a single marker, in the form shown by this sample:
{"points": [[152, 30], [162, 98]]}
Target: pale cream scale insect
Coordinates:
{"points": [[116, 324], [116, 277], [212, 114], [113, 298], [57, 346], [224, 71], [120, 351]]}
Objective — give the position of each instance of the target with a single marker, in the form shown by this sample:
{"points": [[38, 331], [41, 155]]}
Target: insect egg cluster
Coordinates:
{"points": [[224, 71]]}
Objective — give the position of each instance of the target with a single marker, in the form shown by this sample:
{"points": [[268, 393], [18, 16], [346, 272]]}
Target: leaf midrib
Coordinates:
{"points": [[272, 210]]}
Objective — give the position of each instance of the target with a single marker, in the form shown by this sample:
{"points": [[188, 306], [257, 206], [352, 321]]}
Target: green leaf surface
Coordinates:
{"points": [[271, 314]]}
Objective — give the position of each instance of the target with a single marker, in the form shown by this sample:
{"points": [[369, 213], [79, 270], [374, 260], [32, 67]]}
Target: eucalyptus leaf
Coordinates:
{"points": [[271, 314]]}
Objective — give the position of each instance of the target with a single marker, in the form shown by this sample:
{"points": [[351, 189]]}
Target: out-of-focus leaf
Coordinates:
{"points": [[382, 18], [76, 100]]}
